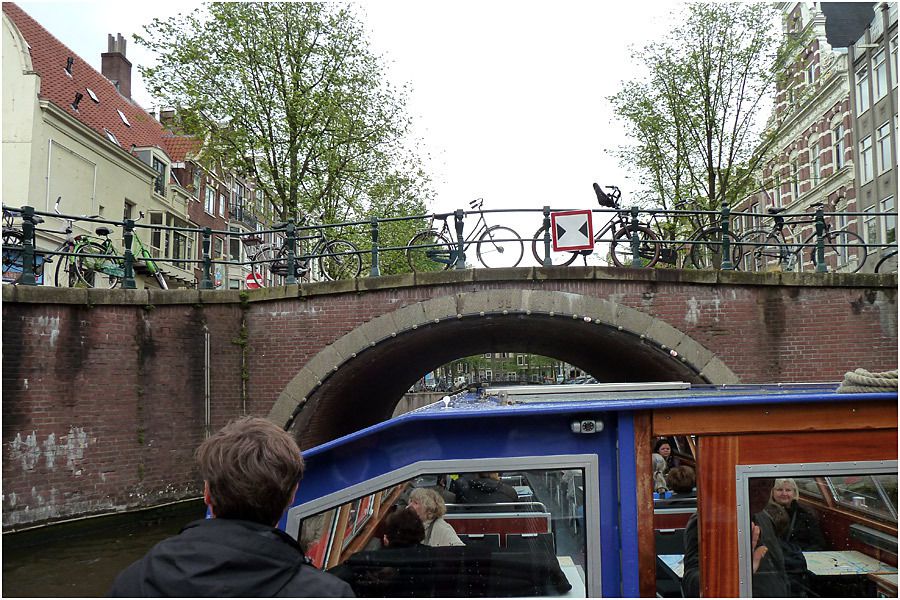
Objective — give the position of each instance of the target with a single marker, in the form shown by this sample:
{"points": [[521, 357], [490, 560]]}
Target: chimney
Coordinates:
{"points": [[115, 66]]}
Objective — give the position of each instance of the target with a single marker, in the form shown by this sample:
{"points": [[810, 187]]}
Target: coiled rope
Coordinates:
{"points": [[862, 381]]}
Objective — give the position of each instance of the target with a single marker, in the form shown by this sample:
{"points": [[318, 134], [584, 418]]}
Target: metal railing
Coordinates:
{"points": [[20, 255]]}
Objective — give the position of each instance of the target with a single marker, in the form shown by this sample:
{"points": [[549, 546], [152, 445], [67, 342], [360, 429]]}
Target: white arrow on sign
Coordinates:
{"points": [[572, 230]]}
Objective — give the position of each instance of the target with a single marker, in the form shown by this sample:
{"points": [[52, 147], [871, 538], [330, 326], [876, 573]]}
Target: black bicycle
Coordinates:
{"points": [[335, 258], [495, 245], [779, 248], [888, 262], [622, 228]]}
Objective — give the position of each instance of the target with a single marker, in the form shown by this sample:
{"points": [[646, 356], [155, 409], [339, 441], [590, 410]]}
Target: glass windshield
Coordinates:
{"points": [[511, 533]]}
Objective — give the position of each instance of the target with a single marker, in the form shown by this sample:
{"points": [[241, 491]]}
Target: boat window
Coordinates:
{"points": [[873, 494], [509, 533], [819, 533]]}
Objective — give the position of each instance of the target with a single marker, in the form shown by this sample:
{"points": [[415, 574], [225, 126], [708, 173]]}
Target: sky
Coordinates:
{"points": [[508, 99]]}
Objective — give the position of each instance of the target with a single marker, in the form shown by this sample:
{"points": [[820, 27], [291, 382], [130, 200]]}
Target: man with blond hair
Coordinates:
{"points": [[251, 469]]}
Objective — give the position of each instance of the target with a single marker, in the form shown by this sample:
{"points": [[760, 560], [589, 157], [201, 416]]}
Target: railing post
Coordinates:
{"points": [[821, 267], [27, 277], [206, 283], [127, 237], [547, 261], [459, 215], [291, 253], [635, 239], [375, 271], [726, 238]]}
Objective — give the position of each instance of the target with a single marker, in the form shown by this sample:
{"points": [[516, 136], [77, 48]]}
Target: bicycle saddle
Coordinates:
{"points": [[603, 198], [775, 211], [103, 231]]}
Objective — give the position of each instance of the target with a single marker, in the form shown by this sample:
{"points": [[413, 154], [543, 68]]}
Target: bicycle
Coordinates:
{"points": [[763, 249], [337, 258], [704, 243], [622, 228], [13, 242], [93, 262], [496, 246], [888, 262]]}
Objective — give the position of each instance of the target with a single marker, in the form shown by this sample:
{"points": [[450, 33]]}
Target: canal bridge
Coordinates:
{"points": [[106, 393]]}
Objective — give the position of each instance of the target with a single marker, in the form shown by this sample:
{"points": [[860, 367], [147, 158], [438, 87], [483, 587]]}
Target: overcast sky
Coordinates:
{"points": [[508, 98]]}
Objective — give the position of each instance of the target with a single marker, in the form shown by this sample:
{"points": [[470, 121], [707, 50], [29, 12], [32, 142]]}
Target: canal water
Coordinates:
{"points": [[82, 558]]}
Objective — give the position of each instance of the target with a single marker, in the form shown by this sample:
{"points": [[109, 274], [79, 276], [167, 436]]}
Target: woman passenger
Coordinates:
{"points": [[664, 448], [430, 507], [803, 528]]}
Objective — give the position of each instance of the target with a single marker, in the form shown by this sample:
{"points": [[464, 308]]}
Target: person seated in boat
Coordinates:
{"points": [[663, 447], [485, 488], [251, 469], [430, 507], [681, 481], [803, 527], [659, 479]]}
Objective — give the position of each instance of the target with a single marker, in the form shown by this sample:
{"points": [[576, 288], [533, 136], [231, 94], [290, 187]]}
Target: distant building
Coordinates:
{"points": [[812, 160], [873, 79]]}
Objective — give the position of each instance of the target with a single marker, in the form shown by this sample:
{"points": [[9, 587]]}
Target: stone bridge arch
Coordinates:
{"points": [[358, 380]]}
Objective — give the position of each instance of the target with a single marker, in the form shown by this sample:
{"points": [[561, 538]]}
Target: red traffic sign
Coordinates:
{"points": [[571, 230], [254, 281]]}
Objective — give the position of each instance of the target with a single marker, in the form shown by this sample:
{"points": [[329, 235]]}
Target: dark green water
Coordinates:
{"points": [[82, 558]]}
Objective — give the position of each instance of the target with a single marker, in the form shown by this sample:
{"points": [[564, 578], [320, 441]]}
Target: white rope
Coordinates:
{"points": [[862, 381]]}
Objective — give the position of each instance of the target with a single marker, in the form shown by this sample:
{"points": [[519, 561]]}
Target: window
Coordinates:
{"points": [[219, 248], [511, 376], [159, 185], [182, 248], [870, 226], [894, 60], [234, 245], [865, 160], [811, 71], [862, 90], [111, 137], [778, 199], [128, 213], [237, 194], [234, 284], [156, 235], [524, 550], [210, 205], [803, 502], [795, 179], [884, 148], [879, 74], [837, 146], [196, 181], [488, 375], [124, 118], [520, 360], [815, 166], [888, 223], [487, 354], [221, 205], [93, 96]]}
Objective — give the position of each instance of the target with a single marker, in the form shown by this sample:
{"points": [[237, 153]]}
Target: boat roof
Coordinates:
{"points": [[521, 401]]}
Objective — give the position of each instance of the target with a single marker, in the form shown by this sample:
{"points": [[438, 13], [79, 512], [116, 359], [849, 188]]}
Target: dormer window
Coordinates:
{"points": [[159, 185], [123, 117], [93, 95], [111, 136]]}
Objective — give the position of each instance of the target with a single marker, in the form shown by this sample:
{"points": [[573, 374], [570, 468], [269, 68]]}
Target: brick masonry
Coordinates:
{"points": [[104, 391]]}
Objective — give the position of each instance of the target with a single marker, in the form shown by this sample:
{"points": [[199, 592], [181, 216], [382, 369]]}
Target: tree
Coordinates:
{"points": [[698, 117], [287, 93]]}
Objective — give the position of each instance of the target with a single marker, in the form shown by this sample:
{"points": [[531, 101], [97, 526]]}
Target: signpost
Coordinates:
{"points": [[572, 230]]}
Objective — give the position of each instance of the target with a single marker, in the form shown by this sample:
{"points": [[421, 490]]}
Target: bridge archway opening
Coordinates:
{"points": [[365, 389]]}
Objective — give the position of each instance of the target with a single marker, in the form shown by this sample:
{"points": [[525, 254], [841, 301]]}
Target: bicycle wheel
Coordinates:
{"points": [[338, 262], [845, 252], [760, 250], [12, 256], [499, 247], [706, 249], [96, 271], [557, 259], [648, 248], [888, 262], [65, 276], [438, 257]]}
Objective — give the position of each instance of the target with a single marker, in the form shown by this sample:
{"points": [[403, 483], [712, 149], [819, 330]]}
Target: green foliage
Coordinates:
{"points": [[698, 117], [289, 94]]}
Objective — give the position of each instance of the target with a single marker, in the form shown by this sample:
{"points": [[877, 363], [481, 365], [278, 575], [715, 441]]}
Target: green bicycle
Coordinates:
{"points": [[95, 262]]}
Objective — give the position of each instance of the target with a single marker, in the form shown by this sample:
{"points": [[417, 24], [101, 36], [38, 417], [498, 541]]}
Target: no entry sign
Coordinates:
{"points": [[572, 230]]}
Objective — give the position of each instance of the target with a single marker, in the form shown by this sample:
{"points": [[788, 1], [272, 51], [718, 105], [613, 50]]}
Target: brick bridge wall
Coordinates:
{"points": [[104, 391]]}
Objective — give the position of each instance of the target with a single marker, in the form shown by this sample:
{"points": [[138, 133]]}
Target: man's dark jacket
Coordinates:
{"points": [[227, 557]]}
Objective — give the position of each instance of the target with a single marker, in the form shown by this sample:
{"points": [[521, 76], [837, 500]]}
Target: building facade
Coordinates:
{"points": [[873, 81]]}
